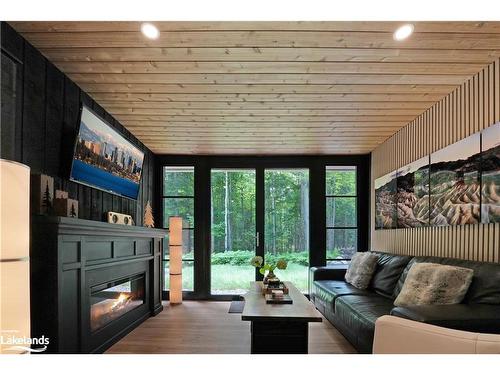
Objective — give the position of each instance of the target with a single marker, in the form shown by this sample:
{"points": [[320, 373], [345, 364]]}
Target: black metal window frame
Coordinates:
{"points": [[164, 220], [317, 203], [327, 196]]}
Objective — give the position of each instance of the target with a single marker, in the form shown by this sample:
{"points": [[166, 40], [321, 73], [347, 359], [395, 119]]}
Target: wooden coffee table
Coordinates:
{"points": [[279, 329]]}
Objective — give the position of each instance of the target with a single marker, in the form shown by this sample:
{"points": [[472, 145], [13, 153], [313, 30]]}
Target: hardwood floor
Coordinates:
{"points": [[205, 327]]}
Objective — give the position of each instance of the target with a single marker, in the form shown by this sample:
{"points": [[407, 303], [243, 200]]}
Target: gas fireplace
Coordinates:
{"points": [[113, 299], [107, 281]]}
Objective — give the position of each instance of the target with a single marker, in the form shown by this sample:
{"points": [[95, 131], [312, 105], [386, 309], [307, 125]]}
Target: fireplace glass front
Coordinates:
{"points": [[111, 300]]}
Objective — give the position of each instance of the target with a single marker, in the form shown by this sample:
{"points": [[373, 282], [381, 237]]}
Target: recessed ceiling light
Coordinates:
{"points": [[403, 32], [150, 31]]}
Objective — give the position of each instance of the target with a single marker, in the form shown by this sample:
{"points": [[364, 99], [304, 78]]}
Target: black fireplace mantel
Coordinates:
{"points": [[67, 257]]}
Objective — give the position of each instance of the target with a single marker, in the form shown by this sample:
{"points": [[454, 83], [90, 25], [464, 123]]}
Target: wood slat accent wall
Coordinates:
{"points": [[473, 106]]}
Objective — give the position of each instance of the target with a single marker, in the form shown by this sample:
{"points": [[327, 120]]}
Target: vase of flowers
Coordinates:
{"points": [[268, 267]]}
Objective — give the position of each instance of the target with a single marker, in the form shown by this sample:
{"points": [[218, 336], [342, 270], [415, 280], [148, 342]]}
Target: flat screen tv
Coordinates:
{"points": [[103, 159]]}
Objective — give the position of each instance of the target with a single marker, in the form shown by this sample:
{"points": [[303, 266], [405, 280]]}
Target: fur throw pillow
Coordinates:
{"points": [[434, 284], [361, 269]]}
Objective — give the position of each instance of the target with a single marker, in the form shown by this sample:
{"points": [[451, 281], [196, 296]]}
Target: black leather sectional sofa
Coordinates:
{"points": [[354, 312]]}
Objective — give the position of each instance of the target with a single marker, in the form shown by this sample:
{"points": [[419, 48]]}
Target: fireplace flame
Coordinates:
{"points": [[122, 300]]}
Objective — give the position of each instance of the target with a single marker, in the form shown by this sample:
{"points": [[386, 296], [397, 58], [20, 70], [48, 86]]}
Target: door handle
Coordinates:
{"points": [[257, 239]]}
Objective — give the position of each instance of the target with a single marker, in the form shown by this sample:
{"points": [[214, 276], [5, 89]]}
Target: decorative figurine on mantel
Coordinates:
{"points": [[64, 206], [148, 216], [42, 194]]}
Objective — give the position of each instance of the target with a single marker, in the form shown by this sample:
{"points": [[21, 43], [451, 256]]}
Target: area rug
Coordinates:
{"points": [[236, 307]]}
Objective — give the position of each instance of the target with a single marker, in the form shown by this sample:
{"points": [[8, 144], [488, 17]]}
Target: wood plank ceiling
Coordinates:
{"points": [[265, 87]]}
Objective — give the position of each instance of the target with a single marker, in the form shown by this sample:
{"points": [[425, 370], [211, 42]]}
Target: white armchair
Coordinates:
{"points": [[395, 335]]}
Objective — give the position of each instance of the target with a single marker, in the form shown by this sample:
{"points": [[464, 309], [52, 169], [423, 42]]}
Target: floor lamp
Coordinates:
{"points": [[175, 251], [14, 254]]}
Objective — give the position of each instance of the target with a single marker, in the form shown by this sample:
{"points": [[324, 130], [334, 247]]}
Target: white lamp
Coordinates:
{"points": [[14, 253], [175, 250]]}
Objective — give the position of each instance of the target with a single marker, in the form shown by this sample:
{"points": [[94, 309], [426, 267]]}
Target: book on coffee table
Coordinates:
{"points": [[283, 299], [266, 289]]}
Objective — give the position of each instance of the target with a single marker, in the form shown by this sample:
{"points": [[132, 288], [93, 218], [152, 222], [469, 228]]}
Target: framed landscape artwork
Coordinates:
{"points": [[413, 194], [490, 174], [455, 183], [385, 202]]}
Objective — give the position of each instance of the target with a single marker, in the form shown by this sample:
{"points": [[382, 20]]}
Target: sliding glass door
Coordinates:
{"points": [[233, 230], [286, 222], [258, 212]]}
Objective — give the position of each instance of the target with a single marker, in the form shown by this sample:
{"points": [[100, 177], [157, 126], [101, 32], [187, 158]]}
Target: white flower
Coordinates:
{"points": [[256, 261]]}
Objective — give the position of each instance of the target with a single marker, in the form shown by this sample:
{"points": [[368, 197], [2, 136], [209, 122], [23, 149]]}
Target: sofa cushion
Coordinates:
{"points": [[358, 314], [361, 269], [434, 284], [485, 285], [479, 317], [387, 272], [329, 290], [368, 307], [402, 278]]}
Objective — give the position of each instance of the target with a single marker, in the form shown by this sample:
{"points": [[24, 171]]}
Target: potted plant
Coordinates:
{"points": [[258, 262]]}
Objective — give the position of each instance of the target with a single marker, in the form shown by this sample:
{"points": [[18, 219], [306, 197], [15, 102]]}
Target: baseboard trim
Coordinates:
{"points": [[157, 310]]}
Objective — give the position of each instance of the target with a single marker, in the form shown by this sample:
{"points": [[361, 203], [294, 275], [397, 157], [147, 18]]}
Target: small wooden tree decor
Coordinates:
{"points": [[47, 200], [42, 194], [148, 216], [72, 211]]}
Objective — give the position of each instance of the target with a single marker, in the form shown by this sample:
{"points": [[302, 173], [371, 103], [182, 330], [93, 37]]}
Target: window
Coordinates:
{"points": [[341, 213], [178, 200]]}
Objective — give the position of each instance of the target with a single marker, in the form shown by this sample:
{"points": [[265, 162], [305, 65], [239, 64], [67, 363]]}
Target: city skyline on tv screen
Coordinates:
{"points": [[104, 159]]}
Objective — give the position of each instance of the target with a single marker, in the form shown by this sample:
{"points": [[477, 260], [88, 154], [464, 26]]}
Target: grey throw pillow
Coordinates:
{"points": [[434, 284], [361, 269]]}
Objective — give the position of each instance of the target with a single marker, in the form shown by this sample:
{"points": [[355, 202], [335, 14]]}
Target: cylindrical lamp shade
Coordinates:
{"points": [[175, 256], [175, 293], [175, 259], [175, 228], [14, 252]]}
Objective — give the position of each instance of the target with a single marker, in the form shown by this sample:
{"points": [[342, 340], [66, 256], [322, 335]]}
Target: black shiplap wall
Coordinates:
{"points": [[46, 125]]}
